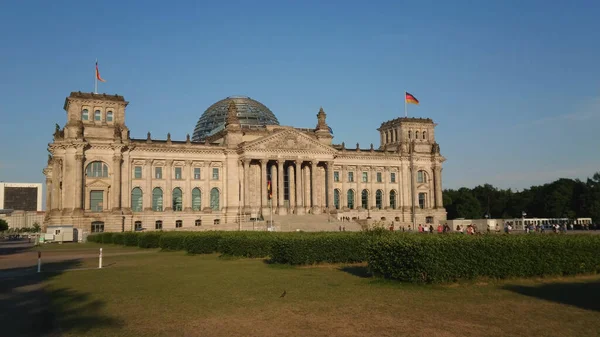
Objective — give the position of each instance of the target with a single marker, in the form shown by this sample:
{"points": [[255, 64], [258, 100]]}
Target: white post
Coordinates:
{"points": [[39, 262], [100, 260]]}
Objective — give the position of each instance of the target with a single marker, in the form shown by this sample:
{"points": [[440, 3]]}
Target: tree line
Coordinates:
{"points": [[563, 198]]}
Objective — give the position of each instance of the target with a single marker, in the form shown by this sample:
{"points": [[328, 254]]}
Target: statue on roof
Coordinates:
{"points": [[232, 114]]}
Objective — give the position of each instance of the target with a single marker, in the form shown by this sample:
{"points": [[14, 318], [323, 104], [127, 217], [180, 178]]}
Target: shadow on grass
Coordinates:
{"points": [[30, 308], [13, 247], [584, 295], [360, 271]]}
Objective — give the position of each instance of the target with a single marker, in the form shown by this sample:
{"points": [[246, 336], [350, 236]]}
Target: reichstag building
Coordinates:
{"points": [[238, 167]]}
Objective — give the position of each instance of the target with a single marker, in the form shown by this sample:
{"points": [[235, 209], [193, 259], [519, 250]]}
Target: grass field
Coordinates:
{"points": [[151, 293]]}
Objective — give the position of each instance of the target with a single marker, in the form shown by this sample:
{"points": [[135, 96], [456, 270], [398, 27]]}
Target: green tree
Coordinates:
{"points": [[3, 225], [36, 227]]}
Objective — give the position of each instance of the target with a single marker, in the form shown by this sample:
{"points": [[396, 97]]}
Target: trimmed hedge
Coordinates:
{"points": [[251, 244], [172, 241], [311, 248], [448, 258], [149, 240]]}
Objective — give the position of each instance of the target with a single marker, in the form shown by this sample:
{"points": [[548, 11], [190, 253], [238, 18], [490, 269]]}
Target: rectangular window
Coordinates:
{"points": [[420, 177], [137, 172], [379, 177], [350, 177], [96, 198], [365, 177], [197, 173], [178, 173], [393, 177], [97, 227], [215, 173], [336, 176], [138, 226], [178, 224], [158, 172], [422, 200], [198, 222], [158, 225]]}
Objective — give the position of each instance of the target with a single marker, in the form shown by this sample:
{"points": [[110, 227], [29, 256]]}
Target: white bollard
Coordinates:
{"points": [[100, 260], [39, 262]]}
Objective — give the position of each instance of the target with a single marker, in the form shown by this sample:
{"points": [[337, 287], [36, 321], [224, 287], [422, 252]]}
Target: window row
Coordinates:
{"points": [[177, 173], [85, 115], [364, 195], [365, 177], [350, 203], [158, 224], [137, 199], [422, 135]]}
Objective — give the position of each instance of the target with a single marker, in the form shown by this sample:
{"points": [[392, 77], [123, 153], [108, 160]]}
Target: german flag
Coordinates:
{"points": [[269, 190], [98, 73], [411, 99]]}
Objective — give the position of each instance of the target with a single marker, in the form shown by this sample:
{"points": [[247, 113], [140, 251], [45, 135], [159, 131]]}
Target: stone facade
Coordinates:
{"points": [[99, 178]]}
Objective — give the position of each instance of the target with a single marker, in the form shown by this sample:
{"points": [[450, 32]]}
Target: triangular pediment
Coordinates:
{"points": [[97, 183], [288, 140]]}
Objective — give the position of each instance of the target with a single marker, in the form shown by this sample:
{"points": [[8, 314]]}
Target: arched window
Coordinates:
{"points": [[157, 199], [158, 225], [177, 199], [85, 115], [214, 199], [109, 116], [137, 200], [424, 134], [396, 134], [379, 199], [364, 199], [196, 199], [387, 137], [350, 199], [96, 169], [409, 134], [97, 115], [336, 199], [421, 177], [393, 199], [417, 135]]}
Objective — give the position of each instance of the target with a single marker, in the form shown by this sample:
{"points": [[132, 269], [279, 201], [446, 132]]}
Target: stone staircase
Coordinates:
{"points": [[311, 223]]}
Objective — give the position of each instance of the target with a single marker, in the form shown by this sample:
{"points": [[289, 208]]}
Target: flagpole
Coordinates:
{"points": [[96, 79], [405, 106]]}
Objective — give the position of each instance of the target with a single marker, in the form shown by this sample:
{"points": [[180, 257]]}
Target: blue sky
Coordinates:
{"points": [[513, 85]]}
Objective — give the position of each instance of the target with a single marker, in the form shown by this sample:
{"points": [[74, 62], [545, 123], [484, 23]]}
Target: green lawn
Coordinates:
{"points": [[174, 294]]}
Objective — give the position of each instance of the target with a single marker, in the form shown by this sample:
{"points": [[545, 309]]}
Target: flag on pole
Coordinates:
{"points": [[411, 99], [269, 189], [98, 73]]}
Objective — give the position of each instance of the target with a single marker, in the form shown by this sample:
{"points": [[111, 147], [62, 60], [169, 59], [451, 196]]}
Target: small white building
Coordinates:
{"points": [[61, 233]]}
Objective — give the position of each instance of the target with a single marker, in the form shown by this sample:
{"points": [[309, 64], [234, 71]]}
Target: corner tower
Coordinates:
{"points": [[400, 132]]}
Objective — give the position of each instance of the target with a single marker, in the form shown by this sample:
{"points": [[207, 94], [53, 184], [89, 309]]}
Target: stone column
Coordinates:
{"points": [[299, 197], [205, 175], [273, 171], [56, 173], [439, 200], [78, 181], [116, 183], [386, 188], [373, 195], [280, 200], [187, 192], [147, 196], [292, 189], [48, 193], [263, 188], [313, 188], [306, 184], [126, 182], [246, 186], [168, 193], [329, 185], [343, 192]]}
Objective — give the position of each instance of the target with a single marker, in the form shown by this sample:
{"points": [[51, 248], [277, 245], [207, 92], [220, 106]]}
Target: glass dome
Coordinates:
{"points": [[250, 112]]}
